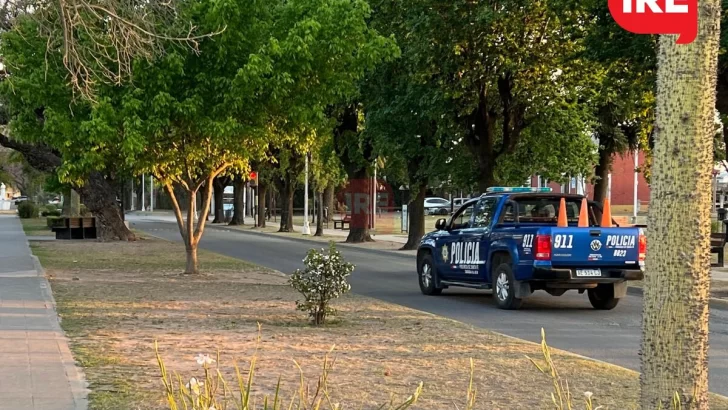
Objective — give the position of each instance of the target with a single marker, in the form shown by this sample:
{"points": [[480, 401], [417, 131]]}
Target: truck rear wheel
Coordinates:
{"points": [[602, 297], [428, 276], [504, 288]]}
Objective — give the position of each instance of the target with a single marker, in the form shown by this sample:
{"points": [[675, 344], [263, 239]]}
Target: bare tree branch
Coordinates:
{"points": [[100, 39]]}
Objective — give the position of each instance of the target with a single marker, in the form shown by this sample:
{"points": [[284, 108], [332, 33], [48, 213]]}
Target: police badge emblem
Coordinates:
{"points": [[444, 253]]}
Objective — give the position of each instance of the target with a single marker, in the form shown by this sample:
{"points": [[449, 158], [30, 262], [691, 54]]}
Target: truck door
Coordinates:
{"points": [[469, 248]]}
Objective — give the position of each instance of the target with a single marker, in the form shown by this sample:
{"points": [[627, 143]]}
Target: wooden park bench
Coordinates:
{"points": [[73, 227], [345, 222], [717, 245]]}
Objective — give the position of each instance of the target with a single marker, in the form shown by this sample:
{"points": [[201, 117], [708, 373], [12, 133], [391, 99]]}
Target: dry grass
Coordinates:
{"points": [[116, 299]]}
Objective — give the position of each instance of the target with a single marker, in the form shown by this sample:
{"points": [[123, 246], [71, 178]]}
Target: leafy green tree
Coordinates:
{"points": [[722, 86], [355, 150], [623, 100], [263, 84], [404, 119], [326, 173], [48, 127], [480, 95], [508, 73]]}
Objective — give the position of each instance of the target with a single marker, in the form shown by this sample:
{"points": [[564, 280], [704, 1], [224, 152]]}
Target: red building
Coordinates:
{"points": [[622, 187]]}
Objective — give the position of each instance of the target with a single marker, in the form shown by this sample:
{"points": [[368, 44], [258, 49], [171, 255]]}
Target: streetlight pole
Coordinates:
{"points": [[306, 229], [151, 194], [636, 181], [144, 176]]}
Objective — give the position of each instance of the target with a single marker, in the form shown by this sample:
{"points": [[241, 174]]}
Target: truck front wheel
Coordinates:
{"points": [[428, 276], [602, 297], [504, 288]]}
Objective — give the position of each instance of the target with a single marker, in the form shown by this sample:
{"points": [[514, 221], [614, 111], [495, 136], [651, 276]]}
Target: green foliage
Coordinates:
{"points": [[480, 89], [50, 210], [322, 280], [623, 101], [27, 210]]}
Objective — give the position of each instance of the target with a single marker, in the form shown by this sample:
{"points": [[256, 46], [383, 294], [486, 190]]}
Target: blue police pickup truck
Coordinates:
{"points": [[508, 240]]}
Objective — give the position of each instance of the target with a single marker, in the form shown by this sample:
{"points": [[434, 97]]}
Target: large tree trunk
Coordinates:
{"points": [[359, 225], [262, 196], [238, 202], [99, 196], [601, 172], [416, 219], [677, 277], [357, 171], [219, 195], [320, 215], [329, 202], [139, 196], [486, 175], [287, 189]]}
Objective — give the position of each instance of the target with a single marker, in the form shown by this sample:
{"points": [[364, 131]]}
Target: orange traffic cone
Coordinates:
{"points": [[584, 214], [606, 214], [562, 222]]}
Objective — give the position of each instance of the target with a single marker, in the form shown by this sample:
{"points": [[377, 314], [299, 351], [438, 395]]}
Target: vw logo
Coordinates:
{"points": [[596, 244]]}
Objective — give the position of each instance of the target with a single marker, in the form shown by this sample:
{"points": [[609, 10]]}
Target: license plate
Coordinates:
{"points": [[588, 273]]}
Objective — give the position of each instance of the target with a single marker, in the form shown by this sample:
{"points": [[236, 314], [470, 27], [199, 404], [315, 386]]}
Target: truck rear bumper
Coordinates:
{"points": [[567, 275]]}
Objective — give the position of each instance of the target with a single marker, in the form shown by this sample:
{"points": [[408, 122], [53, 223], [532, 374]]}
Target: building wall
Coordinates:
{"points": [[622, 182], [10, 192]]}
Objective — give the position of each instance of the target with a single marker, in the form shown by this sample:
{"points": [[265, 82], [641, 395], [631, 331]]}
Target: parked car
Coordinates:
{"points": [[458, 202], [437, 206], [19, 199]]}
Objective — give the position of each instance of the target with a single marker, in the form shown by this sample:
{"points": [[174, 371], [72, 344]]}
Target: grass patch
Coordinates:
{"points": [[116, 299], [147, 254], [36, 227]]}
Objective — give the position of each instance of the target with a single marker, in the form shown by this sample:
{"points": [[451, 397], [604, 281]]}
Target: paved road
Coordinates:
{"points": [[570, 322]]}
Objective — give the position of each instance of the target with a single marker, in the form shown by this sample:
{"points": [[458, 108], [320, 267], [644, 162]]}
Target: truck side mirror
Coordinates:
{"points": [[440, 224]]}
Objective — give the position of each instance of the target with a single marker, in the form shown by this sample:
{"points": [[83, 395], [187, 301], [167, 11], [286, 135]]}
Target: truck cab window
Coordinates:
{"points": [[461, 219], [484, 212]]}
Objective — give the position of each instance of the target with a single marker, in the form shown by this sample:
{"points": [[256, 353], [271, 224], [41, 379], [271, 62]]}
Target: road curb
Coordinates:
{"points": [[718, 304]]}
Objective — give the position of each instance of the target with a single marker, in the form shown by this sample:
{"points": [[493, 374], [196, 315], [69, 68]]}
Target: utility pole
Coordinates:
{"points": [[306, 229], [144, 177]]}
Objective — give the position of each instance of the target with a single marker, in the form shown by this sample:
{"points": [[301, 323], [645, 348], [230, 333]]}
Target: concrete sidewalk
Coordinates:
{"points": [[37, 371]]}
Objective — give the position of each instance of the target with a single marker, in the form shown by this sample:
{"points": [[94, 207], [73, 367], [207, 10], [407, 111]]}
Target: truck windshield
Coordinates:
{"points": [[544, 210]]}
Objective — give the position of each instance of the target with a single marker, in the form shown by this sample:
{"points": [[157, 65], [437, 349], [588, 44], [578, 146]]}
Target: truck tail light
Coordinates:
{"points": [[543, 247], [642, 247]]}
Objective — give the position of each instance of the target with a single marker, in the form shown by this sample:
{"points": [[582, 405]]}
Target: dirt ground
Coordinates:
{"points": [[116, 299]]}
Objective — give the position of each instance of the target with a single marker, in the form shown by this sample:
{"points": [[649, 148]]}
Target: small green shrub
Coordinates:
{"points": [[27, 210], [50, 210], [323, 280]]}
